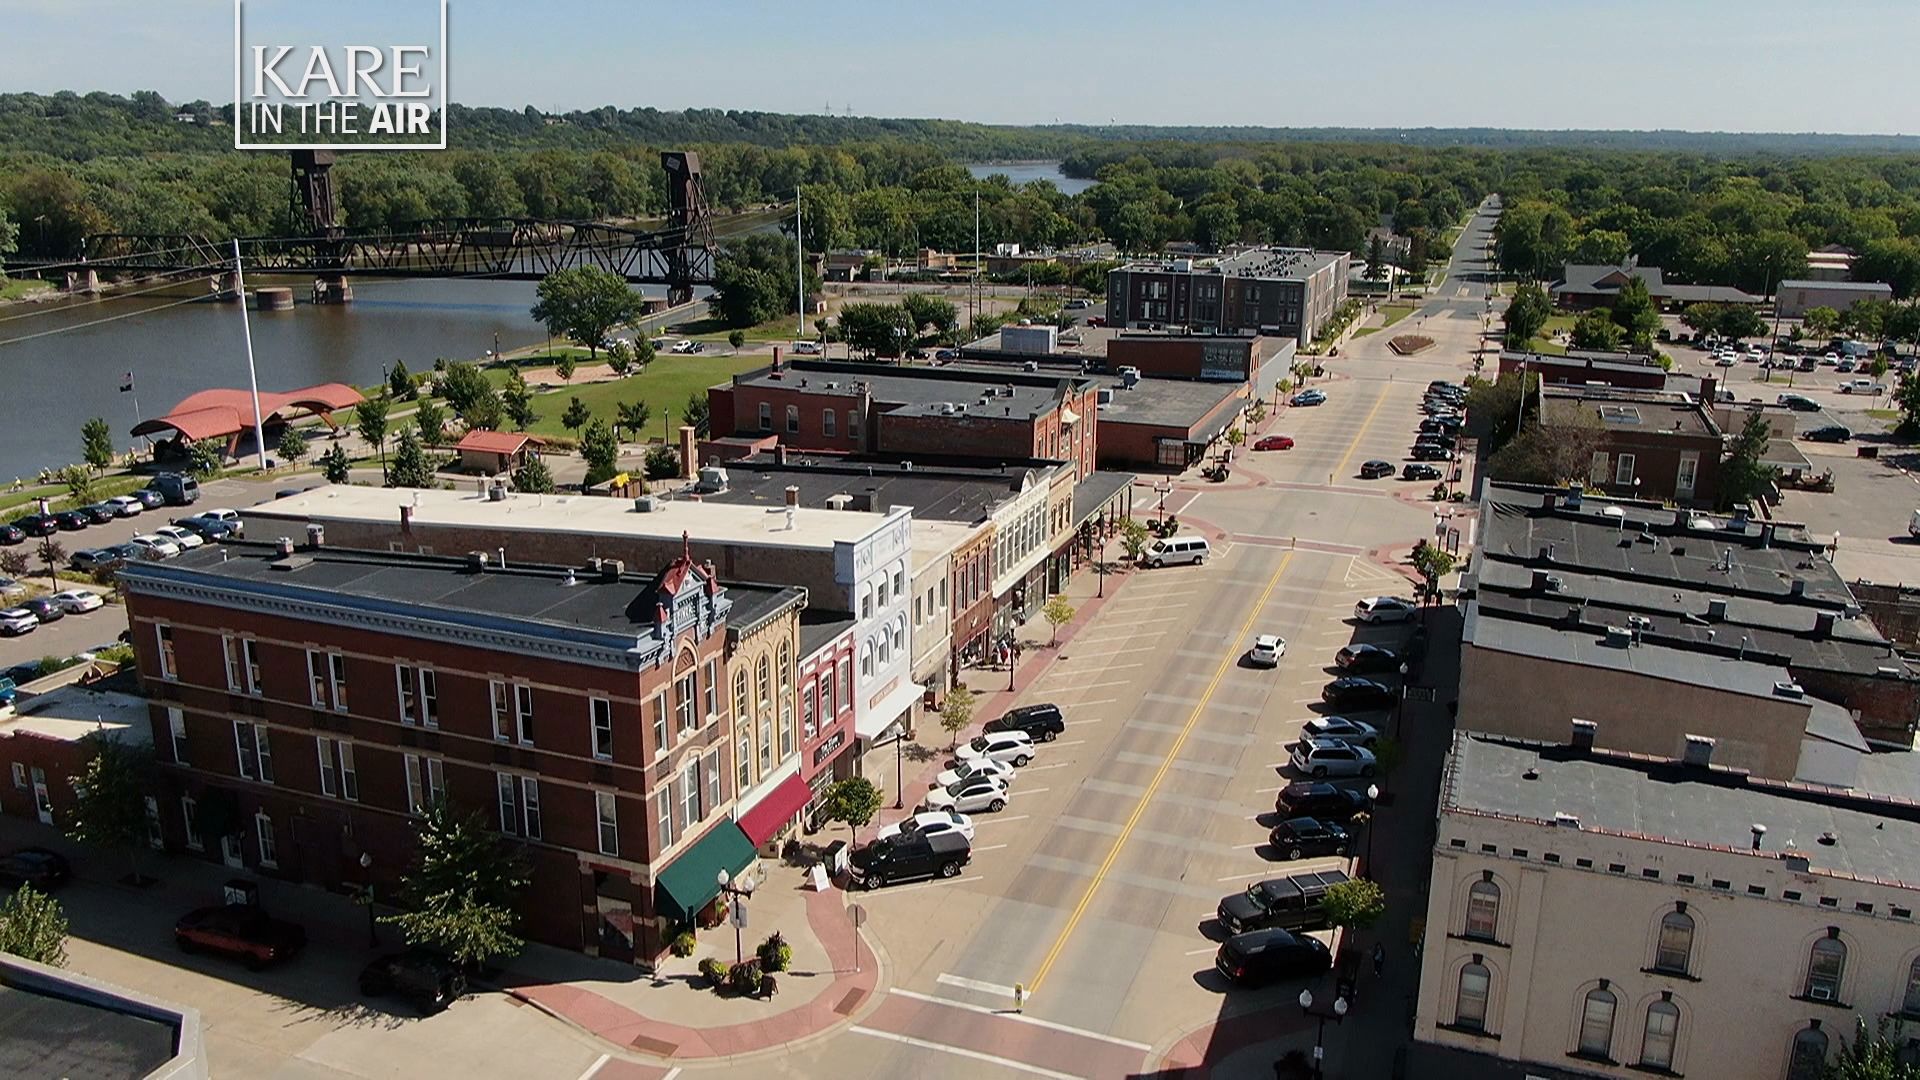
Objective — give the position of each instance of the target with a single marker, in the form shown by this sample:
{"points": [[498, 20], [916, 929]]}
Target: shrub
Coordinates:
{"points": [[744, 978], [714, 971], [775, 954], [682, 944]]}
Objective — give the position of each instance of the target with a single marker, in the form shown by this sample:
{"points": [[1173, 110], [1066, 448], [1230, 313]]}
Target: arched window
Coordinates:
{"points": [[764, 683], [740, 702], [1483, 910], [1910, 1004], [1675, 947], [1596, 1023], [1663, 1031], [866, 660], [1470, 1007], [1826, 965], [786, 666], [1808, 1058]]}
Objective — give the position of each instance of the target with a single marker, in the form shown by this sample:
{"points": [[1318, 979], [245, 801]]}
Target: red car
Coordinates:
{"points": [[241, 932], [1096, 320], [1275, 442]]}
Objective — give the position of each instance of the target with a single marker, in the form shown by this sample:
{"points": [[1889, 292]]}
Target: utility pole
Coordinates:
{"points": [[977, 301], [799, 273], [253, 380]]}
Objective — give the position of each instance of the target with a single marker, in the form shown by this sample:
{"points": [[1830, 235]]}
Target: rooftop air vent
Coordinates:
{"points": [[1565, 820], [1789, 690], [1619, 637]]}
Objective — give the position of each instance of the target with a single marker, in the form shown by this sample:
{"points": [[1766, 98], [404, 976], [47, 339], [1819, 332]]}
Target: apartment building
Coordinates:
{"points": [[1272, 291], [310, 702]]}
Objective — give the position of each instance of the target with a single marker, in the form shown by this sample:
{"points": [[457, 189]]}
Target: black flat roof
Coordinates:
{"points": [[938, 493], [47, 1035]]}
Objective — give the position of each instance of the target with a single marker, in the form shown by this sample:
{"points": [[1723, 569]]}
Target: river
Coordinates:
{"points": [[50, 385], [1022, 171]]}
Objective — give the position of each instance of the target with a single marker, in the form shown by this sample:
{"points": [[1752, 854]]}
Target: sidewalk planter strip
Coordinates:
{"points": [[689, 882]]}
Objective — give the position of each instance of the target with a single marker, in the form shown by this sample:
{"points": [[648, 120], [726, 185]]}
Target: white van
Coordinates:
{"points": [[806, 348], [1179, 549], [1913, 524]]}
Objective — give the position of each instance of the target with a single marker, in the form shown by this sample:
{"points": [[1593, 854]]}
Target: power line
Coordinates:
{"points": [[98, 322], [111, 296]]}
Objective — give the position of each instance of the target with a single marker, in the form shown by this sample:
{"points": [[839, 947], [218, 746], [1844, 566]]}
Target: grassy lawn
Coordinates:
{"points": [[713, 329], [13, 288], [1393, 313], [1365, 330], [105, 487], [1884, 414], [665, 386]]}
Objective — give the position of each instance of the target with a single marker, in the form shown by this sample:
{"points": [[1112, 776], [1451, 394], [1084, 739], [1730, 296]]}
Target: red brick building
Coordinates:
{"points": [[308, 704], [48, 738], [1650, 445]]}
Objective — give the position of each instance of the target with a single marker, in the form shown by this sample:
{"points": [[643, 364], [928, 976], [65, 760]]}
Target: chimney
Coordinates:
{"points": [[283, 547], [611, 569], [689, 452], [1759, 834], [1699, 751], [476, 560], [406, 521], [1822, 624], [1709, 387], [1583, 733], [317, 538], [713, 579], [793, 495], [1539, 581], [1716, 611], [1766, 535], [1549, 500], [1798, 588], [780, 453], [1546, 553]]}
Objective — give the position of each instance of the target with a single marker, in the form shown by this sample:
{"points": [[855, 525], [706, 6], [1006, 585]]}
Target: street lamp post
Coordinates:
{"points": [[1373, 802], [1337, 1015], [739, 895], [373, 931]]}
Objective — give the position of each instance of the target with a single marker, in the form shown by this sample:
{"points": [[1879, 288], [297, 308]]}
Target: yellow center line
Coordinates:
{"points": [[1099, 876], [1341, 469]]}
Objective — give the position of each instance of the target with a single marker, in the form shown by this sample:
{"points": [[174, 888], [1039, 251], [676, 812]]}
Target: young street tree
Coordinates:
{"points": [[957, 712], [534, 477], [1356, 904], [633, 415], [293, 445], [52, 553], [1433, 563], [431, 419], [584, 303], [411, 468], [370, 420], [33, 926], [852, 801], [110, 809], [1058, 613], [565, 367], [400, 382], [697, 412], [461, 889], [1743, 476], [601, 452], [619, 357], [1526, 315], [516, 400], [335, 465], [1133, 538], [576, 416], [96, 440]]}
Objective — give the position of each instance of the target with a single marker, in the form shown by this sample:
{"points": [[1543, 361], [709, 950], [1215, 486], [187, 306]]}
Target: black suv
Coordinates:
{"points": [[1263, 956], [1305, 837], [1374, 470], [1043, 722], [1364, 659], [1322, 801], [37, 524], [1288, 903], [426, 978], [1356, 693], [912, 855]]}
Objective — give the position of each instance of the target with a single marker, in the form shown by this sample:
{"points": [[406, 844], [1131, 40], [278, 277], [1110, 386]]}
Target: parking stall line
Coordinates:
{"points": [[598, 1064], [999, 819], [898, 889]]}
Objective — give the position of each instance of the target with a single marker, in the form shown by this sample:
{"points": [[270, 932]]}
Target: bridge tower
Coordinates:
{"points": [[688, 251], [310, 205]]}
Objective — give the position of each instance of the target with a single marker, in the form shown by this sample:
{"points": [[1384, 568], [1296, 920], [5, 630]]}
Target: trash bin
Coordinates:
{"points": [[1868, 451]]}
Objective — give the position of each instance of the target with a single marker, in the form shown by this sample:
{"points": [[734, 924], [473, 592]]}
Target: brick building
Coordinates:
{"points": [[1197, 356], [1277, 292], [48, 738], [310, 702], [1651, 445], [825, 679], [1583, 366]]}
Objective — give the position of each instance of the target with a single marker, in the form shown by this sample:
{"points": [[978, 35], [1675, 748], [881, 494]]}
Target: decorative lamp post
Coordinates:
{"points": [[1337, 1015], [1373, 801], [373, 931], [737, 894]]}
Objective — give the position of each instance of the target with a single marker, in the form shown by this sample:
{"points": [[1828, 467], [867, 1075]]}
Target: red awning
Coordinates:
{"points": [[774, 810]]}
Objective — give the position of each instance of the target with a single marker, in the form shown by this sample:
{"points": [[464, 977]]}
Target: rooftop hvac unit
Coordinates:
{"points": [[946, 408], [646, 504], [1103, 396]]}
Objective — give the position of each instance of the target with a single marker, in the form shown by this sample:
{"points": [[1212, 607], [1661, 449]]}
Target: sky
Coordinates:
{"points": [[1703, 65]]}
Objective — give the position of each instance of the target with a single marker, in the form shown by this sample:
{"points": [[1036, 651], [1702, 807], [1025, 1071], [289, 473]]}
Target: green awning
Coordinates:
{"points": [[691, 881]]}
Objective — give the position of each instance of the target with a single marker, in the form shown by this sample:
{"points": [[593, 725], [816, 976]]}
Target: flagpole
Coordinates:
{"points": [[253, 380]]}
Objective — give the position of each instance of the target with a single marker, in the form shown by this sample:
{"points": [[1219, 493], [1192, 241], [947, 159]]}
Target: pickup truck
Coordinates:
{"points": [[1862, 386]]}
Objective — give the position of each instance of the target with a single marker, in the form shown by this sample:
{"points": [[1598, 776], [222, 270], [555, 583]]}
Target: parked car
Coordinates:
{"points": [[44, 609], [1176, 550], [242, 932], [208, 527], [1862, 386], [1319, 799], [37, 524], [1356, 693], [78, 601], [1834, 433], [175, 489], [1267, 650], [909, 856], [72, 520], [1430, 452], [11, 589], [1265, 956], [682, 347], [126, 506], [1042, 722], [980, 794], [1847, 367], [1440, 424], [1375, 469], [1321, 758], [220, 513], [930, 823], [11, 534], [430, 980], [1798, 402], [155, 547], [124, 552], [1379, 609], [1361, 658], [36, 866], [15, 621], [1308, 398], [1009, 747], [1419, 471], [148, 498], [1302, 838], [1725, 359], [183, 538], [1286, 903], [1354, 732], [1274, 442], [98, 513], [806, 348], [967, 770]]}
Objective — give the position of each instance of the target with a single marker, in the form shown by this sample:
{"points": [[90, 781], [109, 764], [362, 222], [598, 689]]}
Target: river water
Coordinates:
{"points": [[51, 384], [1022, 171]]}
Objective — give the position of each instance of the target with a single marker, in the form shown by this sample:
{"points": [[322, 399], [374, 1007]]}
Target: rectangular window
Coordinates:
{"points": [[686, 696], [436, 780], [917, 617], [349, 780], [826, 698], [263, 741], [713, 778], [1470, 1011], [250, 651], [827, 427], [408, 692], [244, 751], [661, 735], [317, 679], [609, 823], [766, 416], [323, 747], [509, 789], [1689, 470], [19, 776], [416, 791], [177, 727], [337, 674], [429, 698], [156, 839], [664, 824], [710, 689], [845, 697], [690, 814], [523, 712], [1597, 471], [263, 835], [899, 583], [743, 757], [1623, 469], [501, 700], [230, 652], [163, 634], [853, 423], [530, 805], [190, 819], [766, 743], [793, 419], [806, 711], [786, 726], [602, 713]]}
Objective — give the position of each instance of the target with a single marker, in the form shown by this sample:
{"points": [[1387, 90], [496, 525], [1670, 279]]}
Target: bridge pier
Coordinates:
{"points": [[332, 289], [226, 287], [273, 298], [83, 281]]}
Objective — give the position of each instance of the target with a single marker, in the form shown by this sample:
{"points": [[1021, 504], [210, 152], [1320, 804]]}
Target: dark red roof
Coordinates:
{"points": [[494, 442]]}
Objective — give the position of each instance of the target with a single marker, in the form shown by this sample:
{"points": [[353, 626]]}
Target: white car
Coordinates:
{"points": [[126, 506], [1725, 360], [221, 513], [970, 797], [78, 601], [967, 770], [155, 547], [184, 539], [1008, 747], [931, 823], [11, 589], [18, 621], [1378, 609], [1267, 650], [1354, 732], [682, 347], [1321, 758]]}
